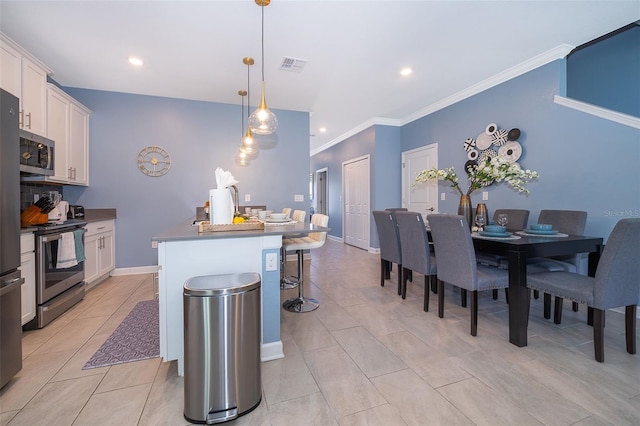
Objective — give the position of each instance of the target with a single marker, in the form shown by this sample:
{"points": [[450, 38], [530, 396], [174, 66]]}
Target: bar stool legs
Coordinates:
{"points": [[285, 282], [300, 303]]}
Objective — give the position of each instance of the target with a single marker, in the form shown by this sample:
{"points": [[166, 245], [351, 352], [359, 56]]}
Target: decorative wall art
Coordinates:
{"points": [[493, 142]]}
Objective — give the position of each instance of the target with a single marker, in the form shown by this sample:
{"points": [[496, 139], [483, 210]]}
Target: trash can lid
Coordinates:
{"points": [[220, 285]]}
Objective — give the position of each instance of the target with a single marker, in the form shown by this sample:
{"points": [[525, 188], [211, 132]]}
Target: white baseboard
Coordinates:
{"points": [[374, 250], [136, 270], [337, 239], [271, 351]]}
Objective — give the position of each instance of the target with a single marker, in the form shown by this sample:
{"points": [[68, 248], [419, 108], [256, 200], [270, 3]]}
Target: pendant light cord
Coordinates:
{"points": [[248, 94], [242, 116], [262, 7]]}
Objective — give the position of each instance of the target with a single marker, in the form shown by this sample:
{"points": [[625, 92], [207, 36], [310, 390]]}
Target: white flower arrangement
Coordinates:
{"points": [[497, 169]]}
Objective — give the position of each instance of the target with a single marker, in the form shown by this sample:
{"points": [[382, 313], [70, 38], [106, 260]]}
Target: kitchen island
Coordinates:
{"points": [[183, 253]]}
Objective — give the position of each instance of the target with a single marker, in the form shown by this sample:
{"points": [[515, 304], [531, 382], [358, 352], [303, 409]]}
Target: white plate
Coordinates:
{"points": [[269, 220], [483, 141], [510, 151], [491, 128]]}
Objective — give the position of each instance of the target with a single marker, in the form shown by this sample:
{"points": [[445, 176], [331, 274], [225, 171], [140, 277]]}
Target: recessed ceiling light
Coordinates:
{"points": [[322, 129], [406, 71], [135, 61]]}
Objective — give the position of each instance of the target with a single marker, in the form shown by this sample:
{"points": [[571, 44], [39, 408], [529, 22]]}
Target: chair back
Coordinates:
{"points": [[319, 220], [570, 222], [286, 211], [454, 250], [617, 281], [517, 219], [414, 242], [299, 215], [397, 209], [388, 236]]}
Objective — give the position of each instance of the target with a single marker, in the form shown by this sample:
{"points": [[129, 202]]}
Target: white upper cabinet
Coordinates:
{"points": [[68, 126], [26, 77]]}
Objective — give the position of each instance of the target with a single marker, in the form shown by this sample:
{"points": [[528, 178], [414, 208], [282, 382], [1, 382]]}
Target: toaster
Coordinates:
{"points": [[75, 212]]}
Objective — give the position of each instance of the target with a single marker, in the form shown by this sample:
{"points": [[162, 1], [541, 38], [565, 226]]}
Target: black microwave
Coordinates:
{"points": [[36, 154]]}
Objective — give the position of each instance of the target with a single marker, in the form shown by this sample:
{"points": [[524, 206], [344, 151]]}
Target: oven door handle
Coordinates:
{"points": [[54, 237]]}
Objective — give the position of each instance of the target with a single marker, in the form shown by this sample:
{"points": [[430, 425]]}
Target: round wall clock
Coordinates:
{"points": [[154, 161]]}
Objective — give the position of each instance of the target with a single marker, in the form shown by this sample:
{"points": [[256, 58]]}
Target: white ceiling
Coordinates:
{"points": [[354, 49]]}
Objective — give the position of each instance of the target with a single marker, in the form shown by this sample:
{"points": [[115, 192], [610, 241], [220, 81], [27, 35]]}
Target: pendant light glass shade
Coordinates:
{"points": [[242, 159], [262, 121]]}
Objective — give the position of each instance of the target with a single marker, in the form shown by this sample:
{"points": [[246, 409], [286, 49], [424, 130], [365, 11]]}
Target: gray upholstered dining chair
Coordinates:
{"points": [[416, 254], [299, 245], [517, 221], [390, 251], [457, 263], [517, 218], [616, 283], [397, 209], [570, 222]]}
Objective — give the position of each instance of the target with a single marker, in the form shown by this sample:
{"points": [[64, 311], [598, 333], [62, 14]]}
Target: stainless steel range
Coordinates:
{"points": [[59, 270]]}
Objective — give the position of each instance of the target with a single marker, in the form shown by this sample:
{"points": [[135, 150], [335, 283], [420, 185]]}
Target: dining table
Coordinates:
{"points": [[520, 247]]}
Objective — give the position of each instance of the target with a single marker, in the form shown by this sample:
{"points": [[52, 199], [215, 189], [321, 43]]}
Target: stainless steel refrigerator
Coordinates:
{"points": [[10, 277]]}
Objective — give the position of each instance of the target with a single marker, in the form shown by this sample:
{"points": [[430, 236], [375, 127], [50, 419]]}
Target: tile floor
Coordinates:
{"points": [[365, 357]]}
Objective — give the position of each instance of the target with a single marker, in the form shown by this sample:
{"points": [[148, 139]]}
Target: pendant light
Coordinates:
{"points": [[249, 144], [262, 121], [242, 159]]}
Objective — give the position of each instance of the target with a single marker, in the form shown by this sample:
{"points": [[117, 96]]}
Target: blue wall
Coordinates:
{"points": [[382, 144], [607, 73], [586, 163], [200, 136]]}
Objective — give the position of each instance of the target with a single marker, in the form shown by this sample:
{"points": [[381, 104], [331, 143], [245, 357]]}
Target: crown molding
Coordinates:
{"points": [[544, 58]]}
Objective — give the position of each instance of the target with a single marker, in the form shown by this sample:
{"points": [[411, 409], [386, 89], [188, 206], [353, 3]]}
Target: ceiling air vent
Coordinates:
{"points": [[292, 64]]}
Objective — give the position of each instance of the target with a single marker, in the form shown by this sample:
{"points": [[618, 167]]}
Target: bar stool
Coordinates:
{"points": [[286, 283], [299, 215], [299, 245]]}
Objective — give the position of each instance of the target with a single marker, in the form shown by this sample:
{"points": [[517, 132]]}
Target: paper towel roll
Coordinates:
{"points": [[220, 206]]}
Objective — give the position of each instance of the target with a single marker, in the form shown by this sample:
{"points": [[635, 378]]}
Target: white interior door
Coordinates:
{"points": [[356, 210], [422, 197]]}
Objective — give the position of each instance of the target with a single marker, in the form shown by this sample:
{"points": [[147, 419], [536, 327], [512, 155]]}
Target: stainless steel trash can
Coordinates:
{"points": [[222, 319]]}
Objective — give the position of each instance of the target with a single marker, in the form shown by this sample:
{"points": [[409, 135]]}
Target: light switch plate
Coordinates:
{"points": [[298, 198], [442, 196], [485, 195], [247, 198]]}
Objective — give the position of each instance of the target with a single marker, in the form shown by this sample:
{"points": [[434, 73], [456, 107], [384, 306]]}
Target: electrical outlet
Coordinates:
{"points": [[247, 198], [442, 196], [154, 244], [485, 195], [272, 262], [298, 198]]}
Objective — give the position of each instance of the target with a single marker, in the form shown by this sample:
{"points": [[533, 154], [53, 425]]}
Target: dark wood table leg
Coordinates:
{"points": [[518, 298]]}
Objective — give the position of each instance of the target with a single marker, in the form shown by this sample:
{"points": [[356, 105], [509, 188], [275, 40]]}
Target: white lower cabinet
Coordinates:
{"points": [[28, 269], [99, 250]]}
